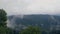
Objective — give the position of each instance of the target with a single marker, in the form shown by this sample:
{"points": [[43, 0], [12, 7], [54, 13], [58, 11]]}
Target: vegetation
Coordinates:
{"points": [[3, 19], [28, 30], [31, 30]]}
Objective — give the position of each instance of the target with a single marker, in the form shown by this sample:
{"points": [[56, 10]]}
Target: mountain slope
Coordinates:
{"points": [[44, 21]]}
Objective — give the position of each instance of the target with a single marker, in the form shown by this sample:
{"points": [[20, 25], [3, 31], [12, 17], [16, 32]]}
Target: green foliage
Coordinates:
{"points": [[4, 30], [3, 17], [31, 30]]}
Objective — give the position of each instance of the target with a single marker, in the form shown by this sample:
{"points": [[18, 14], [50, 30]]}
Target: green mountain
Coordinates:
{"points": [[48, 22]]}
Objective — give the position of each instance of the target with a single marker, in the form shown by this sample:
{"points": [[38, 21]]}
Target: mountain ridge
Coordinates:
{"points": [[44, 21]]}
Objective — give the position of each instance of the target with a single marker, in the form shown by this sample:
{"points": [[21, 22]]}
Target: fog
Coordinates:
{"points": [[14, 7]]}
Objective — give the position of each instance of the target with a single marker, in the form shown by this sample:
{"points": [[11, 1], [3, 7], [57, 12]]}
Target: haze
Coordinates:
{"points": [[13, 7]]}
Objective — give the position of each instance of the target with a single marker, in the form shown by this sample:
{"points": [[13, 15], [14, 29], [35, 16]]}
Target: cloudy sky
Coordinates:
{"points": [[13, 7]]}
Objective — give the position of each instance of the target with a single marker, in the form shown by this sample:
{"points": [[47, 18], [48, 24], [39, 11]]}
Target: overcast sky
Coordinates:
{"points": [[13, 7]]}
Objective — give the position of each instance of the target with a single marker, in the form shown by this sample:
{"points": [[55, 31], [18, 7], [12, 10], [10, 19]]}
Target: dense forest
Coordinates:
{"points": [[28, 30], [5, 30]]}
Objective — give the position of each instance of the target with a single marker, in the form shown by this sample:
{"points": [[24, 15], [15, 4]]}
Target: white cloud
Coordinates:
{"points": [[31, 6]]}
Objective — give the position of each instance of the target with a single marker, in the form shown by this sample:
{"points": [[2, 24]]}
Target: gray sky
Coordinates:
{"points": [[30, 6]]}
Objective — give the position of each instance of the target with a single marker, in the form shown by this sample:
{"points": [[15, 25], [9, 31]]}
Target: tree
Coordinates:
{"points": [[31, 30], [3, 17]]}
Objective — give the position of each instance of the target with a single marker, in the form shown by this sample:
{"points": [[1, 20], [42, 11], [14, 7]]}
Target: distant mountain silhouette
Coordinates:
{"points": [[44, 21]]}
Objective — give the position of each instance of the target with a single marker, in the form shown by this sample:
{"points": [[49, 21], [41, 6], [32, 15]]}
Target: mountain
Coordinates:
{"points": [[48, 22]]}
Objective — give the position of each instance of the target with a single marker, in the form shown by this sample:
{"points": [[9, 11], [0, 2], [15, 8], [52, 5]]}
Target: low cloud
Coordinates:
{"points": [[13, 7]]}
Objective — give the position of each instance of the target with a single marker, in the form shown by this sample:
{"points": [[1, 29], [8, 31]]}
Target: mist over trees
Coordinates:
{"points": [[29, 30], [5, 30], [3, 23]]}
